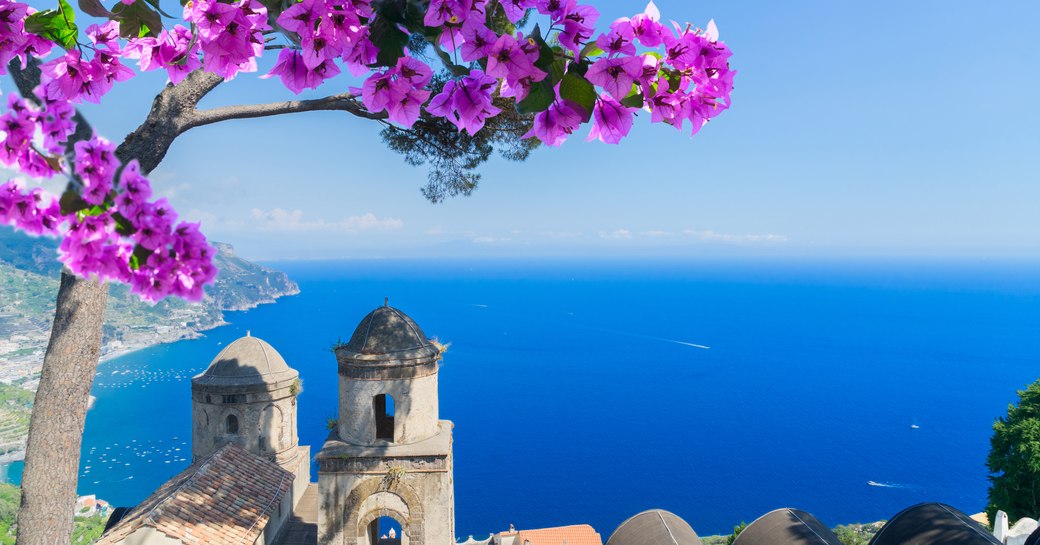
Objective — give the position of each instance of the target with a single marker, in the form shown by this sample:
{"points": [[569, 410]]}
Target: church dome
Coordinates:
{"points": [[654, 527], [388, 344], [248, 360], [387, 334]]}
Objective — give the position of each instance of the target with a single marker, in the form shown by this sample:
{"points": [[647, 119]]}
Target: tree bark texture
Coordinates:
{"points": [[59, 412]]}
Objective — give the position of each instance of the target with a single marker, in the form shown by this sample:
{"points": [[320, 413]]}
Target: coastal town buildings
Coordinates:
{"points": [[388, 457]]}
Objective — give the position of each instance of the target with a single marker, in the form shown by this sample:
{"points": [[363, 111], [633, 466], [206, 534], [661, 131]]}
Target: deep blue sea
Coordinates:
{"points": [[581, 392]]}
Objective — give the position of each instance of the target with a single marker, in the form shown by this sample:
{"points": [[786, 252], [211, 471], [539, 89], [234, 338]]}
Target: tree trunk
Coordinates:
{"points": [[59, 413], [60, 410]]}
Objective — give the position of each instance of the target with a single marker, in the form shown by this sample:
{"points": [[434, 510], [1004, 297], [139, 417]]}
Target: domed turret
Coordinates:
{"points": [[388, 455], [247, 396], [388, 344], [654, 527], [247, 361], [388, 381]]}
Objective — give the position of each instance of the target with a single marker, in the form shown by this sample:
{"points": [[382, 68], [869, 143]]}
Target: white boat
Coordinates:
{"points": [[914, 426]]}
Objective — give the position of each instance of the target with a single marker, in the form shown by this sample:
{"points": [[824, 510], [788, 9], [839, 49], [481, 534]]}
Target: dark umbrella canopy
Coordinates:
{"points": [[786, 527], [654, 527], [933, 524]]}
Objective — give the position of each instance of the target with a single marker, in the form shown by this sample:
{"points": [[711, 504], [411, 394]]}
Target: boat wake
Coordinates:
{"points": [[684, 343], [890, 485]]}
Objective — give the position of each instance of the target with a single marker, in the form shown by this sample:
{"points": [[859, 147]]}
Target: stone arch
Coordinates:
{"points": [[412, 525], [271, 428], [220, 427], [407, 538]]}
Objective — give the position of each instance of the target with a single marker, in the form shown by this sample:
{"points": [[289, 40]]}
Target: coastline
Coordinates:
{"points": [[116, 349]]}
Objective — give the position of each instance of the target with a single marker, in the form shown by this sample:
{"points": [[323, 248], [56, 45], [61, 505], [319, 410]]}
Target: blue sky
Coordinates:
{"points": [[858, 129]]}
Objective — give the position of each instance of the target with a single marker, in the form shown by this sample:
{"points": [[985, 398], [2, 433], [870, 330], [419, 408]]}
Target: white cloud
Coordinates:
{"points": [[293, 221], [490, 240], [713, 236], [561, 234], [281, 220], [618, 234]]}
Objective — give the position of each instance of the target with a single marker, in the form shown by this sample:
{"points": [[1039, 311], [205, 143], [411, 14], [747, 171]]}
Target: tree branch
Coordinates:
{"points": [[344, 102], [172, 107]]}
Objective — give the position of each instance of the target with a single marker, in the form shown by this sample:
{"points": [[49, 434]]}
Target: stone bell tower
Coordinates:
{"points": [[389, 455], [247, 396]]}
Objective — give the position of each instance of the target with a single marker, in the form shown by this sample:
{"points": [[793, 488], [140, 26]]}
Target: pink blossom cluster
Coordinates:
{"points": [[33, 211], [174, 50], [467, 103], [73, 78], [130, 238], [676, 74], [398, 90], [23, 124], [117, 233], [328, 30], [230, 35], [15, 42], [121, 234]]}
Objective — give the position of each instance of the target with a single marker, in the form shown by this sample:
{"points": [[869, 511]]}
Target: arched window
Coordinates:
{"points": [[384, 531], [383, 405], [231, 424]]}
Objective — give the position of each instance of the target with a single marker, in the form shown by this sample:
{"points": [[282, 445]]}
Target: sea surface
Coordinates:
{"points": [[587, 391]]}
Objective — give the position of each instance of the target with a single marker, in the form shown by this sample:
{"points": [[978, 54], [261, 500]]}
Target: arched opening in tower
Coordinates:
{"points": [[231, 424], [383, 404], [385, 531]]}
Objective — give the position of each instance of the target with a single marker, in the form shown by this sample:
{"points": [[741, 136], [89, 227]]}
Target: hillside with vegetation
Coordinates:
{"points": [[29, 276], [87, 530]]}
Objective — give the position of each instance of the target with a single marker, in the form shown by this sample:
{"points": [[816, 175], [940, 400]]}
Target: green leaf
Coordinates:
{"points": [[389, 39], [579, 68], [579, 91], [94, 8], [546, 55], [590, 50], [140, 255], [123, 225], [557, 70], [155, 4], [674, 80], [137, 20], [634, 101], [56, 25], [71, 202], [447, 62], [414, 16], [539, 99]]}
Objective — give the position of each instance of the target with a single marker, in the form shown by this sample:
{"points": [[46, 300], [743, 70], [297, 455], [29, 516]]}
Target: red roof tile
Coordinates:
{"points": [[578, 534], [224, 499]]}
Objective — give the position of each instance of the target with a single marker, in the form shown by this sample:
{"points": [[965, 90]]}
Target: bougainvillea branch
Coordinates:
{"points": [[489, 50]]}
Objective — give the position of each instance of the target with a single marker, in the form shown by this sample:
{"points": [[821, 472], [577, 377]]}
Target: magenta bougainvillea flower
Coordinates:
{"points": [[507, 59], [466, 103], [442, 12], [619, 41], [296, 75], [616, 75], [118, 232], [554, 125], [611, 120]]}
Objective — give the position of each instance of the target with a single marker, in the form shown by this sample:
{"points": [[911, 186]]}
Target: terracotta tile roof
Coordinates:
{"points": [[224, 499], [578, 534]]}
